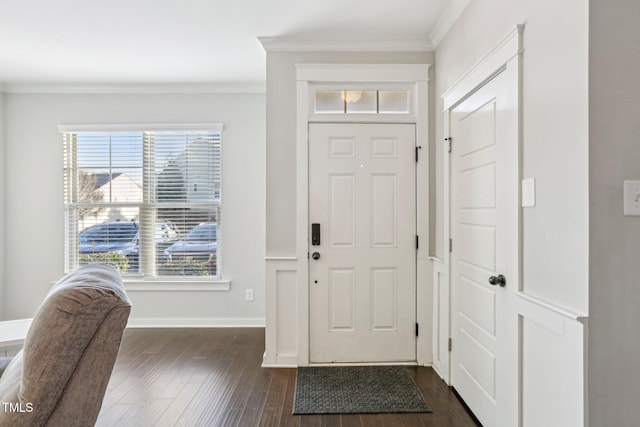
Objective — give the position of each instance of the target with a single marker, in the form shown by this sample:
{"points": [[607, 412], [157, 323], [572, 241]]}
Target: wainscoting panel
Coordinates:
{"points": [[281, 341], [441, 332], [553, 341]]}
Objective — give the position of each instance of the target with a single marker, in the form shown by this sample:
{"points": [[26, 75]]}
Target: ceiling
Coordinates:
{"points": [[187, 41]]}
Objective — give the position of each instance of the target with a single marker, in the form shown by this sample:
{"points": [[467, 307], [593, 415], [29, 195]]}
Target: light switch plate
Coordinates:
{"points": [[631, 198], [529, 193]]}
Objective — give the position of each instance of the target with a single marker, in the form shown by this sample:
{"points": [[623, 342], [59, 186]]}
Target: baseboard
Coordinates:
{"points": [[282, 361], [439, 370], [291, 361], [196, 322]]}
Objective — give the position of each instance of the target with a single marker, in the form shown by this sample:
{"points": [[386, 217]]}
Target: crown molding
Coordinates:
{"points": [[449, 16], [137, 89], [142, 127], [363, 72], [286, 44]]}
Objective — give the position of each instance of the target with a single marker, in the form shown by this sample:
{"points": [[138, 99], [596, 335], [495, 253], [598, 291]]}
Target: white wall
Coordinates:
{"points": [[281, 133], [614, 151], [34, 197], [554, 114], [555, 259]]}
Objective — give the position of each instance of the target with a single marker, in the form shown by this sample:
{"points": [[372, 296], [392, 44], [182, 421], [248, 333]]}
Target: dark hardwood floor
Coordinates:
{"points": [[213, 378]]}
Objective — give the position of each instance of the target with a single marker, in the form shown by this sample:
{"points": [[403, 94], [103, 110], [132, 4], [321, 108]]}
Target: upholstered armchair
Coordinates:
{"points": [[60, 376]]}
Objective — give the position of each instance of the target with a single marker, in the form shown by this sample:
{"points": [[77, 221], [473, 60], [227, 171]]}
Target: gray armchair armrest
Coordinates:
{"points": [[4, 362]]}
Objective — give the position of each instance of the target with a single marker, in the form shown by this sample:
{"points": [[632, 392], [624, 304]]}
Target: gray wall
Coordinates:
{"points": [[614, 153], [281, 134], [555, 132], [32, 162]]}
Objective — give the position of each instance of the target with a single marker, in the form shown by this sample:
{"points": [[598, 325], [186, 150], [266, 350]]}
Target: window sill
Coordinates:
{"points": [[136, 285], [13, 332]]}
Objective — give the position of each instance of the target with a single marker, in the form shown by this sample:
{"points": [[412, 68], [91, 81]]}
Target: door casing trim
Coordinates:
{"points": [[415, 77], [505, 55]]}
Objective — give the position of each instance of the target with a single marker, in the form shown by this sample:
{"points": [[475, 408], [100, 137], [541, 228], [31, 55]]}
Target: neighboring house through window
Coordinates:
{"points": [[146, 200]]}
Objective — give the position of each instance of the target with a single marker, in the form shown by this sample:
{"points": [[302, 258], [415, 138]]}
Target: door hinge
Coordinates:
{"points": [[450, 344], [450, 245], [450, 142], [417, 242], [416, 329], [418, 148]]}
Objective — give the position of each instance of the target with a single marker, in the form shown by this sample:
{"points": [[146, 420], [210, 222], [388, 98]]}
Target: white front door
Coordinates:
{"points": [[362, 274], [483, 193]]}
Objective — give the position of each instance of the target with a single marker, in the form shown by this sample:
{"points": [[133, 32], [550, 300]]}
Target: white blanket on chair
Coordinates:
{"points": [[97, 276]]}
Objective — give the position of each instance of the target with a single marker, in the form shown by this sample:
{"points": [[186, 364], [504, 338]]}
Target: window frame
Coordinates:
{"points": [[338, 117], [140, 281]]}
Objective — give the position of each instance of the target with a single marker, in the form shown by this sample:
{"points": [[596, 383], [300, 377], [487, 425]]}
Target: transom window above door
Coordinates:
{"points": [[361, 102]]}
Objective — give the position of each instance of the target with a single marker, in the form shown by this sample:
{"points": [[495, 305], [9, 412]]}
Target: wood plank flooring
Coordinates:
{"points": [[213, 378]]}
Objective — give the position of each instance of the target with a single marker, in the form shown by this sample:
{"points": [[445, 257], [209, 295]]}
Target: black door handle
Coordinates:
{"points": [[498, 280], [316, 255]]}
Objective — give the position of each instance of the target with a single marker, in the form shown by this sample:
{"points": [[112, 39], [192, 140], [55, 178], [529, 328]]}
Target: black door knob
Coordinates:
{"points": [[498, 280], [316, 255]]}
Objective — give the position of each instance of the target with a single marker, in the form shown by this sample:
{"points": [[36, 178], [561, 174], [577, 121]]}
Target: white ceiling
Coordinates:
{"points": [[186, 41]]}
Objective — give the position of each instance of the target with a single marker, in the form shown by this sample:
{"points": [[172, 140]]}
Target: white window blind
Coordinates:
{"points": [[147, 202]]}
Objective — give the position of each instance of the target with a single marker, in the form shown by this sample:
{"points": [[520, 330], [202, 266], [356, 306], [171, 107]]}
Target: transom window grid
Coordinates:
{"points": [[361, 101], [147, 202]]}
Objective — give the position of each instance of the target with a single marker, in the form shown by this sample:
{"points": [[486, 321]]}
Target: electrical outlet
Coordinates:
{"points": [[248, 294]]}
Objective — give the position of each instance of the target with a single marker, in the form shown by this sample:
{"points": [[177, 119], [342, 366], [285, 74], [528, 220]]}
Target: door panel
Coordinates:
{"points": [[482, 194], [384, 289], [362, 287], [342, 290], [384, 214], [342, 210]]}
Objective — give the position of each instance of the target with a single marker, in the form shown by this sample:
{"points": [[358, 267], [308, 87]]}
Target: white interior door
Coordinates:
{"points": [[362, 193], [483, 193]]}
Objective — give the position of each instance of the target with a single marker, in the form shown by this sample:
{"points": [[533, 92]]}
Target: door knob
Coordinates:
{"points": [[316, 255], [498, 280]]}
